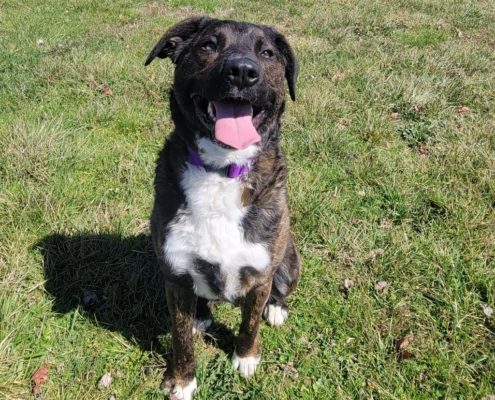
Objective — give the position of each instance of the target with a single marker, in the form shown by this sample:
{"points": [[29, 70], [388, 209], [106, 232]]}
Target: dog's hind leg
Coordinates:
{"points": [[284, 283], [180, 379], [203, 318]]}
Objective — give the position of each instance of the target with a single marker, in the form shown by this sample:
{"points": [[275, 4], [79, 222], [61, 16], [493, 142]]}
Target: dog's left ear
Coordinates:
{"points": [[174, 41], [291, 64]]}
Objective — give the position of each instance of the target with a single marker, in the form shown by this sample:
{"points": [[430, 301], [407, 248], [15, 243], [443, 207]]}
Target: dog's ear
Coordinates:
{"points": [[291, 64], [175, 40]]}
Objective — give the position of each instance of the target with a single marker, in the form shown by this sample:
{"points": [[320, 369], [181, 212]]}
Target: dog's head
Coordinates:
{"points": [[229, 77]]}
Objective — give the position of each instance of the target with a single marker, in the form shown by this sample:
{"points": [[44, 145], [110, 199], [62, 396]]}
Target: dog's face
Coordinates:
{"points": [[228, 75]]}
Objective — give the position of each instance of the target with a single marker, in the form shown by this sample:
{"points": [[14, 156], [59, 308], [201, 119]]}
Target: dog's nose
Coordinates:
{"points": [[241, 72]]}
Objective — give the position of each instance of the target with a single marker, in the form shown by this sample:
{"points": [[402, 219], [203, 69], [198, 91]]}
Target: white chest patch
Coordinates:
{"points": [[209, 227]]}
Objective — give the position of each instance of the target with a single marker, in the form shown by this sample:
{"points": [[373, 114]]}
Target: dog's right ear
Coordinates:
{"points": [[175, 40]]}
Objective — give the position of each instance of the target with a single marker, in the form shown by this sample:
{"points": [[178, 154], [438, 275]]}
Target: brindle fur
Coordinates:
{"points": [[267, 220]]}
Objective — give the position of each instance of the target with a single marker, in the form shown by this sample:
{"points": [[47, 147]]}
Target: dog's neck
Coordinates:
{"points": [[228, 162], [231, 171]]}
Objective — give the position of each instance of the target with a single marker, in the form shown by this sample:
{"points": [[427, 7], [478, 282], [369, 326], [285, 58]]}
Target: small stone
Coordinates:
{"points": [[40, 42], [361, 193]]}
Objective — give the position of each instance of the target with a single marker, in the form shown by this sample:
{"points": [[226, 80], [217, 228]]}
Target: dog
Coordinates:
{"points": [[220, 220]]}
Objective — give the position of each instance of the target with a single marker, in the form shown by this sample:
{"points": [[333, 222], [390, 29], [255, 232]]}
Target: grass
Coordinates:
{"points": [[391, 147]]}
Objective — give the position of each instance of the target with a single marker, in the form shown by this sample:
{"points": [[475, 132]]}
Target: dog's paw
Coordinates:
{"points": [[275, 315], [201, 325], [246, 365], [183, 392]]}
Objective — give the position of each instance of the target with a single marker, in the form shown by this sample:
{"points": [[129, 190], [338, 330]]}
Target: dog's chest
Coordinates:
{"points": [[206, 239]]}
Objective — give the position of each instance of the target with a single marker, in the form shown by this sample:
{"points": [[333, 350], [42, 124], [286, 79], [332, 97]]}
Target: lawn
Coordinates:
{"points": [[391, 146]]}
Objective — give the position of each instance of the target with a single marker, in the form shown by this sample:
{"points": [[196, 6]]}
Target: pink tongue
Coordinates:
{"points": [[234, 125]]}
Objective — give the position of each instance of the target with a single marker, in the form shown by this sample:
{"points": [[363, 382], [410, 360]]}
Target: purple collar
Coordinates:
{"points": [[231, 171]]}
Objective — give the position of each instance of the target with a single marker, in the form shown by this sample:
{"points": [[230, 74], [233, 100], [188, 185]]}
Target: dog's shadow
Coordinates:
{"points": [[115, 282]]}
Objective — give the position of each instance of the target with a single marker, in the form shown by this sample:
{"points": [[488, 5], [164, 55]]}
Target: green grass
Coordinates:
{"points": [[390, 180]]}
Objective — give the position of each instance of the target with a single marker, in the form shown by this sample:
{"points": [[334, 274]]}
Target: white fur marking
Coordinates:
{"points": [[201, 325], [184, 392], [217, 156], [275, 315], [210, 228], [246, 365]]}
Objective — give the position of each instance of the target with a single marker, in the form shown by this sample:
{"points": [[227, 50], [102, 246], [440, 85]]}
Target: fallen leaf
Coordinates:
{"points": [[290, 370], [418, 107], [394, 116], [423, 150], [405, 355], [386, 224], [348, 283], [337, 77], [105, 381], [343, 123], [361, 193], [380, 286], [404, 342], [463, 110], [375, 253], [106, 90], [401, 347], [39, 378], [488, 311], [372, 385], [346, 259]]}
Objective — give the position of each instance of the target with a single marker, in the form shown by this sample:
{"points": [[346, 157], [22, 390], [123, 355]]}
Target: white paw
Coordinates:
{"points": [[201, 325], [245, 365], [179, 392], [275, 315]]}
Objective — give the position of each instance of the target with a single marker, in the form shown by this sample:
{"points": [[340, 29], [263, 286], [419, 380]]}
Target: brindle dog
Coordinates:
{"points": [[220, 222]]}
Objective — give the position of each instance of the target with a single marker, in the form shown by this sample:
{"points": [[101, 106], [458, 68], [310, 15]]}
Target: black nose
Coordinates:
{"points": [[241, 72]]}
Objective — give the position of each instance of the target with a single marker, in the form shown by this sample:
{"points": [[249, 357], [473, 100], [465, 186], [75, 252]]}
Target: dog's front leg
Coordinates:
{"points": [[181, 378], [247, 352]]}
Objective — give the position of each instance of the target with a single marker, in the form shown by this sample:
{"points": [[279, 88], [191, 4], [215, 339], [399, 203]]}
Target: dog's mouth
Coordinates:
{"points": [[233, 121]]}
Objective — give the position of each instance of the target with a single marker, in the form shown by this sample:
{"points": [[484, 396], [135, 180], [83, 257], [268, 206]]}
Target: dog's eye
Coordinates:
{"points": [[267, 53], [209, 46]]}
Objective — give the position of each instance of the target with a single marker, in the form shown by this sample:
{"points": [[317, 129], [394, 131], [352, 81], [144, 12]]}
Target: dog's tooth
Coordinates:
{"points": [[211, 111]]}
